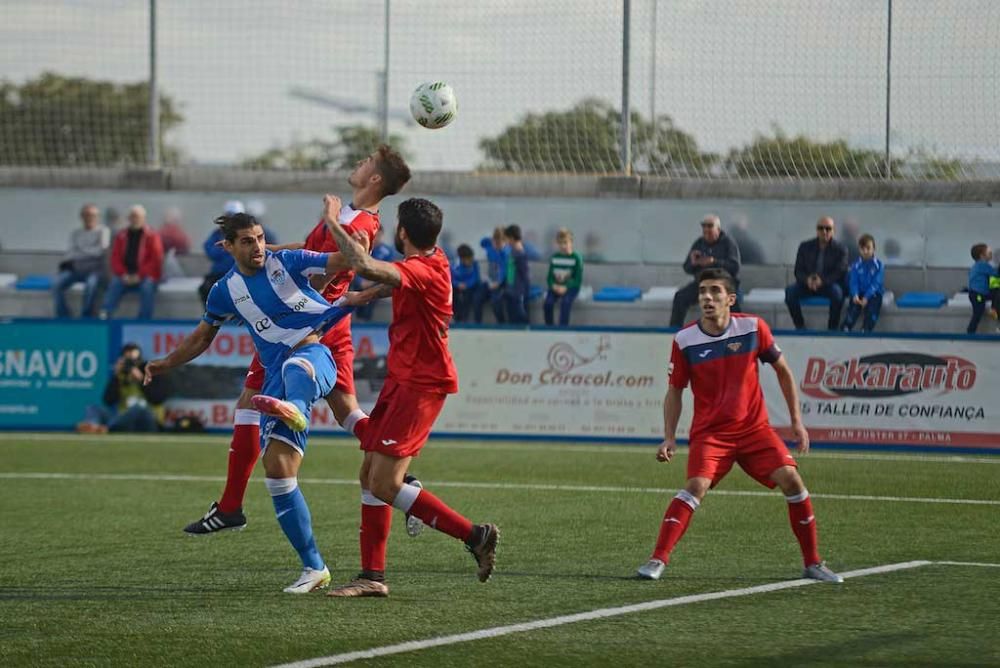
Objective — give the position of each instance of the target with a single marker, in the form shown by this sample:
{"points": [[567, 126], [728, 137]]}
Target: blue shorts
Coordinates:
{"points": [[321, 360]]}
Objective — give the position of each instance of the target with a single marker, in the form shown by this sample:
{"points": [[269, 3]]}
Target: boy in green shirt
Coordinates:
{"points": [[565, 276]]}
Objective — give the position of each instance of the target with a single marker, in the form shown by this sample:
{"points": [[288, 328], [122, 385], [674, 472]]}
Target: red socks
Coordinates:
{"points": [[356, 423], [675, 523], [243, 453], [432, 511], [800, 514], [376, 521]]}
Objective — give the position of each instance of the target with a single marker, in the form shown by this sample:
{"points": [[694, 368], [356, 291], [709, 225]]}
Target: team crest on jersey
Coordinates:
{"points": [[735, 345], [278, 276]]}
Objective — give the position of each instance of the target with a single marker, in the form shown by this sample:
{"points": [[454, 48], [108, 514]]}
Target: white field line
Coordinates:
{"points": [[602, 613], [472, 444], [537, 487], [978, 564]]}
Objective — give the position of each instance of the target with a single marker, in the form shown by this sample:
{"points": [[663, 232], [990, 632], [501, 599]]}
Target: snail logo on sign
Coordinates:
{"points": [[563, 358]]}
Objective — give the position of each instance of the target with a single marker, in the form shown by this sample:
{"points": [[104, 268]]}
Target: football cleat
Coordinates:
{"points": [[822, 573], [310, 580], [414, 525], [285, 411], [358, 587], [483, 547], [651, 570], [215, 521]]}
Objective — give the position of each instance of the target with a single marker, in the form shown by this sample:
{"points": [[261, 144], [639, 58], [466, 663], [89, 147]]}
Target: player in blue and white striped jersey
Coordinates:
{"points": [[270, 293]]}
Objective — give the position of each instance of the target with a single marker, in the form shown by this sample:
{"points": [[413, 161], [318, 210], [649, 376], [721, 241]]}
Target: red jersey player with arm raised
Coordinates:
{"points": [[421, 375], [718, 355], [381, 174]]}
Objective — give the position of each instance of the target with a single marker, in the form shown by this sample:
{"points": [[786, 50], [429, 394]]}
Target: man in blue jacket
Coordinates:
{"points": [[866, 281], [820, 266], [497, 255], [222, 261]]}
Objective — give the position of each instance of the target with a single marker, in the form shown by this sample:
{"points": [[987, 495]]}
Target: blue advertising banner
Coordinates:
{"points": [[50, 372]]}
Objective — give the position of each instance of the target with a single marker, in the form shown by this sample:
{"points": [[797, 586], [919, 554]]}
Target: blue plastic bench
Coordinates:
{"points": [[922, 300], [34, 282], [618, 293], [534, 292], [815, 300]]}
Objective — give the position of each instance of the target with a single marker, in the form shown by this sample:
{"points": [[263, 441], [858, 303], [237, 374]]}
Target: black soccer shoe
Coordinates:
{"points": [[215, 521]]}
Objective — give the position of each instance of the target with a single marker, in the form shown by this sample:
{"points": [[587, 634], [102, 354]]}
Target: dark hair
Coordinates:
{"points": [[866, 239], [513, 232], [465, 251], [717, 274], [421, 219], [231, 224], [129, 347], [393, 169], [978, 250]]}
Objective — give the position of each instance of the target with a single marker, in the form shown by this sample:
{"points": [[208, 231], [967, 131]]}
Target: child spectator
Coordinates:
{"points": [[518, 282], [866, 285], [497, 254], [979, 283], [466, 286], [565, 276]]}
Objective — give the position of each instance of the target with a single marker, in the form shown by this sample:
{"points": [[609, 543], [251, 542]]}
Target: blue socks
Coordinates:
{"points": [[293, 516]]}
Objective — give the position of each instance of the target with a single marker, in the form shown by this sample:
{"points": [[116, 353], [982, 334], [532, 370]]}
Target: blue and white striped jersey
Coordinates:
{"points": [[277, 304]]}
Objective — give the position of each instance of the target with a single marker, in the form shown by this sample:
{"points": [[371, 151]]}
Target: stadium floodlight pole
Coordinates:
{"points": [[384, 106], [626, 139], [153, 155], [888, 91]]}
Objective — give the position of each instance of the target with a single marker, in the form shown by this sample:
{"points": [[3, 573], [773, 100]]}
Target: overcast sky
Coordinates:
{"points": [[724, 69]]}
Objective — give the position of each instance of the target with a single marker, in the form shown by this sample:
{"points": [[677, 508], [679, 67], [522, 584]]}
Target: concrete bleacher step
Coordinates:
{"points": [[181, 284], [660, 293]]}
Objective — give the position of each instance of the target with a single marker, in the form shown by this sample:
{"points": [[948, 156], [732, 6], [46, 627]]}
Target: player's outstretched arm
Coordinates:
{"points": [[786, 379], [353, 253], [193, 345], [671, 416], [295, 245]]}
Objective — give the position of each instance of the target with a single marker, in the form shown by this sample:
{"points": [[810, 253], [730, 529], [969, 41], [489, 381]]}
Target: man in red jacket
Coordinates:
{"points": [[136, 264]]}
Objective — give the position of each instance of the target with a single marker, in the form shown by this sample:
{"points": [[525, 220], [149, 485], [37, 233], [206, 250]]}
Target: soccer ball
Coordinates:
{"points": [[433, 104]]}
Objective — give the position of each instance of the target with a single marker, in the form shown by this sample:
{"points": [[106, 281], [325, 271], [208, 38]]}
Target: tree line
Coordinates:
{"points": [[66, 121]]}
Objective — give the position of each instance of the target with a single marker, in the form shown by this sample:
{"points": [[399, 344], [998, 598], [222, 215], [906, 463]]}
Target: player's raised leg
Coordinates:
{"points": [[305, 376]]}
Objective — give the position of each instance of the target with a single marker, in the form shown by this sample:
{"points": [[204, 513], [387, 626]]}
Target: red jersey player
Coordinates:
{"points": [[718, 355], [381, 174], [421, 375]]}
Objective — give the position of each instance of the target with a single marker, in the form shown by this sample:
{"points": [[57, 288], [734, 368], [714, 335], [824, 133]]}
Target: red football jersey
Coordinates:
{"points": [[724, 377], [418, 336], [322, 241]]}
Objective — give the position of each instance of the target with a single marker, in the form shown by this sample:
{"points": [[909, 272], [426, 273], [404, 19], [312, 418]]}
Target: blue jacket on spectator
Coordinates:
{"points": [[466, 276], [497, 260], [384, 252], [979, 277], [221, 260], [867, 278]]}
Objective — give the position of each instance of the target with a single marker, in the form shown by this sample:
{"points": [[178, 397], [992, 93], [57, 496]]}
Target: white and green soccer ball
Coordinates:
{"points": [[433, 104]]}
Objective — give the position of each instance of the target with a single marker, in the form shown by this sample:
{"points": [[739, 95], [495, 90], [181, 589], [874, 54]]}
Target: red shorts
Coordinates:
{"points": [[401, 420], [341, 346], [759, 453]]}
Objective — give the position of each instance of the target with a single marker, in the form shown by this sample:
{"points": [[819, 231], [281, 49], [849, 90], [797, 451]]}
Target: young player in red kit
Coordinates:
{"points": [[381, 174], [421, 375], [718, 355]]}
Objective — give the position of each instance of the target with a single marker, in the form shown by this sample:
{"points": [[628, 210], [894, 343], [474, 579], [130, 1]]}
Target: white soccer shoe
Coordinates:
{"points": [[310, 580], [822, 573], [651, 570]]}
